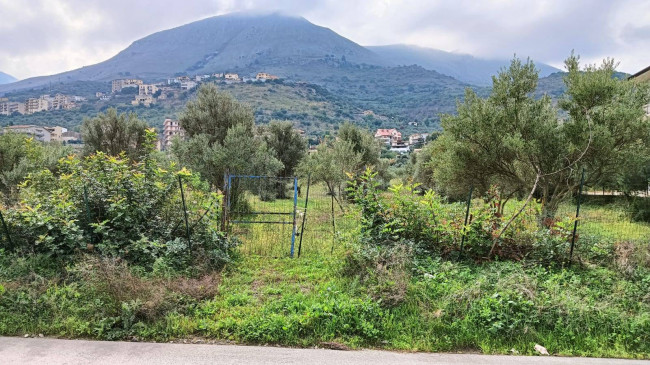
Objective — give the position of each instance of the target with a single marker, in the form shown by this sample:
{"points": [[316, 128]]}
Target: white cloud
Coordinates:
{"points": [[49, 36]]}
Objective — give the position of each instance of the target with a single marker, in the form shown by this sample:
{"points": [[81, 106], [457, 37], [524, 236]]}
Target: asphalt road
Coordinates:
{"points": [[15, 350]]}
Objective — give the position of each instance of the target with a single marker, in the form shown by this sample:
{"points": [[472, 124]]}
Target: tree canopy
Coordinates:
{"points": [[113, 133], [516, 141], [221, 137]]}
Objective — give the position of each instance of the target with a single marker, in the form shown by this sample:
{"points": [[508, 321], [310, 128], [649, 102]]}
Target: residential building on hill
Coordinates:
{"points": [[56, 133], [399, 146], [60, 101], [71, 137], [118, 85], [35, 105], [188, 85], [147, 89], [39, 133], [388, 136], [10, 107], [145, 100], [263, 76], [171, 129], [231, 77], [417, 140]]}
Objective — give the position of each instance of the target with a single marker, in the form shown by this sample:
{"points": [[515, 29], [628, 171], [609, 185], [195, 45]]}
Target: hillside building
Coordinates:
{"points": [[35, 105], [10, 107], [71, 137], [145, 100], [171, 129], [231, 77], [417, 140], [263, 76], [118, 85], [399, 147], [56, 133], [60, 101], [147, 89], [188, 85], [388, 136], [39, 133]]}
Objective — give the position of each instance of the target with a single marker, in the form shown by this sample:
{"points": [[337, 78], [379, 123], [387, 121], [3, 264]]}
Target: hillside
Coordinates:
{"points": [[463, 67], [235, 42], [6, 79], [312, 107]]}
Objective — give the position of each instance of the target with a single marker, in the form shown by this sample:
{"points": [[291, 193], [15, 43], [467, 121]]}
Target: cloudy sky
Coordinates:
{"points": [[39, 37]]}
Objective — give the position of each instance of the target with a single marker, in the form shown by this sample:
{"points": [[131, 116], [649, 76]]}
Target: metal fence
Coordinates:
{"points": [[279, 217], [611, 216]]}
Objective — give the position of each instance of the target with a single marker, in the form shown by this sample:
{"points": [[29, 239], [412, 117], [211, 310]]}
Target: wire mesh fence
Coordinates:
{"points": [[612, 217], [277, 217]]}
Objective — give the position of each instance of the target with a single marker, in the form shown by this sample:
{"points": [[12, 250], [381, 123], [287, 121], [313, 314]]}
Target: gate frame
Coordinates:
{"points": [[226, 205]]}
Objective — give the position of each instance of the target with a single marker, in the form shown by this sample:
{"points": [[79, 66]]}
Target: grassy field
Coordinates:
{"points": [[610, 222], [324, 229]]}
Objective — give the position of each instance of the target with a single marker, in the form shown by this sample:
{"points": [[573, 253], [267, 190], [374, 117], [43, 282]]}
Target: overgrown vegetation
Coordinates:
{"points": [[107, 246]]}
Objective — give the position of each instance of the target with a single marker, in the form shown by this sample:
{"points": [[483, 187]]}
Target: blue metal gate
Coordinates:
{"points": [[263, 202]]}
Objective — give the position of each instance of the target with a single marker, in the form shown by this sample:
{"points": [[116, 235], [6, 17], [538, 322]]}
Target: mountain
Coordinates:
{"points": [[463, 67], [6, 79], [239, 42]]}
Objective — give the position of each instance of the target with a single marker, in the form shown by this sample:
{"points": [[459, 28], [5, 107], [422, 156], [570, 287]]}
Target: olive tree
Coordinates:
{"points": [[113, 133], [221, 137], [526, 146]]}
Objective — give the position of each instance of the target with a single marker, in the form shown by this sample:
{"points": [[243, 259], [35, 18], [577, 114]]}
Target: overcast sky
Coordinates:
{"points": [[40, 37]]}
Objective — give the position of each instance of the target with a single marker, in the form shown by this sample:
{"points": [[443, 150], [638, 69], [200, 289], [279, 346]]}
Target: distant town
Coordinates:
{"points": [[147, 94], [391, 138]]}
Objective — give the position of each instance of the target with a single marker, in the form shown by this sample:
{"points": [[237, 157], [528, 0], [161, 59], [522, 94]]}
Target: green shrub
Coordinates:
{"points": [[640, 209], [403, 214], [117, 208]]}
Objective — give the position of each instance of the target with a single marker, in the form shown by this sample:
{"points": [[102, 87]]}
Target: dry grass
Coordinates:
{"points": [[630, 255], [156, 296]]}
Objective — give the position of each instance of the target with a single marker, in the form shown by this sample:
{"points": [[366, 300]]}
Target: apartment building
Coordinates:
{"points": [[188, 85], [118, 85], [145, 100], [35, 105], [60, 101], [10, 107], [147, 89], [39, 133], [56, 133], [171, 129]]}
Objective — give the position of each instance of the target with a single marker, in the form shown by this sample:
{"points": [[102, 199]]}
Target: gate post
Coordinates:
{"points": [[295, 204], [575, 224], [304, 217]]}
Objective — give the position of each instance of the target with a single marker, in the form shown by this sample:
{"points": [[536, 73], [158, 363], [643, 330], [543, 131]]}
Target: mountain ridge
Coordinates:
{"points": [[6, 78], [233, 42], [463, 67], [252, 42]]}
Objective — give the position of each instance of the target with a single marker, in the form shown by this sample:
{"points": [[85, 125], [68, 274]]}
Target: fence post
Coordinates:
{"points": [[333, 225], [469, 203], [295, 205], [4, 226], [224, 203], [575, 224], [187, 225], [92, 236], [304, 217]]}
